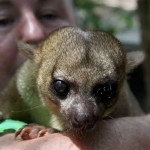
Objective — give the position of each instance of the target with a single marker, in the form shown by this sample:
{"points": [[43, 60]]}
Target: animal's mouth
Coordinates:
{"points": [[84, 125]]}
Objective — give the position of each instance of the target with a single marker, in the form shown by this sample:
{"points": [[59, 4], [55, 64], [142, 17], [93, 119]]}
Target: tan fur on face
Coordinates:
{"points": [[83, 58]]}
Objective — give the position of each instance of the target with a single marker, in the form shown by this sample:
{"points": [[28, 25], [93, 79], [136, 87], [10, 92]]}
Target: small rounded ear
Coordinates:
{"points": [[134, 59], [26, 49]]}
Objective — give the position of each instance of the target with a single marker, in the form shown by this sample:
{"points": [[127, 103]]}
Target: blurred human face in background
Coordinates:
{"points": [[30, 21]]}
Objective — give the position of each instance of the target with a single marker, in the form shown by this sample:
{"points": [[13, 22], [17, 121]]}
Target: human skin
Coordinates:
{"points": [[130, 133], [30, 21], [53, 142]]}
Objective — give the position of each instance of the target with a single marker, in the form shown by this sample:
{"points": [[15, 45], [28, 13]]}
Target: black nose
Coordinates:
{"points": [[84, 121]]}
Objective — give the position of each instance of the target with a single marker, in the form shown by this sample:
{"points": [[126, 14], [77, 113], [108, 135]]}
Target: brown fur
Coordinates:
{"points": [[81, 58]]}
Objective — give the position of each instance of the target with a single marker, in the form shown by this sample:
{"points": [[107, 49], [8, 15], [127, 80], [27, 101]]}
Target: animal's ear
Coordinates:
{"points": [[26, 49], [134, 59]]}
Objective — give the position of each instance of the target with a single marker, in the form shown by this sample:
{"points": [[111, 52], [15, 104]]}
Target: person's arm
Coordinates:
{"points": [[54, 142], [130, 133]]}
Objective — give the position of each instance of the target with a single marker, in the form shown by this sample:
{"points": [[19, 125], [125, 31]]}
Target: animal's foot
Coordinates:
{"points": [[33, 131]]}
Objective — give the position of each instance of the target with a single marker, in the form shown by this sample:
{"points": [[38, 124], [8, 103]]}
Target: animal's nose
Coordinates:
{"points": [[85, 121]]}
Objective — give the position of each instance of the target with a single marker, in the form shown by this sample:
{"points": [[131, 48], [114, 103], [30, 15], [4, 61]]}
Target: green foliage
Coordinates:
{"points": [[88, 17], [85, 4]]}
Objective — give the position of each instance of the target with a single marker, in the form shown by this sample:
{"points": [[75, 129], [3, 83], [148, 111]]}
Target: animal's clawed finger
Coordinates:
{"points": [[33, 131]]}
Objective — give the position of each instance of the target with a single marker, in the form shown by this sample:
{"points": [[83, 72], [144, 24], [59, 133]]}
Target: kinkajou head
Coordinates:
{"points": [[80, 74]]}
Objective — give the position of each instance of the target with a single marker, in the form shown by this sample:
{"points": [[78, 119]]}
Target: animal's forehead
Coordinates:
{"points": [[74, 45], [81, 53], [88, 59], [96, 47], [86, 74]]}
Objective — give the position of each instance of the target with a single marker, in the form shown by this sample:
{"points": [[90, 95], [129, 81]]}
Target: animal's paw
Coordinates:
{"points": [[33, 131]]}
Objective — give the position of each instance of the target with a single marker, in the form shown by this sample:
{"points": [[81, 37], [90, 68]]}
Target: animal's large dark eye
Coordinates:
{"points": [[105, 92], [61, 88]]}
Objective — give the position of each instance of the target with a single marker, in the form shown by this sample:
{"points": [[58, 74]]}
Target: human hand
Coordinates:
{"points": [[55, 141]]}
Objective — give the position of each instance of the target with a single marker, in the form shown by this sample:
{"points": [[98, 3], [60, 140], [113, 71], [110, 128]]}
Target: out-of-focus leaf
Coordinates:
{"points": [[85, 4], [90, 19]]}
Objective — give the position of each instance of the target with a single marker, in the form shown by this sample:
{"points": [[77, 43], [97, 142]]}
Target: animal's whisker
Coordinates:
{"points": [[25, 110]]}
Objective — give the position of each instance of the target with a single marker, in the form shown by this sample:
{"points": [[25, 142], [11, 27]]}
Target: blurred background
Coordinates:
{"points": [[129, 21]]}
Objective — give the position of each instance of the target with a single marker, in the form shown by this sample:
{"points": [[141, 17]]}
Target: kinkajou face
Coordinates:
{"points": [[78, 76], [81, 75]]}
